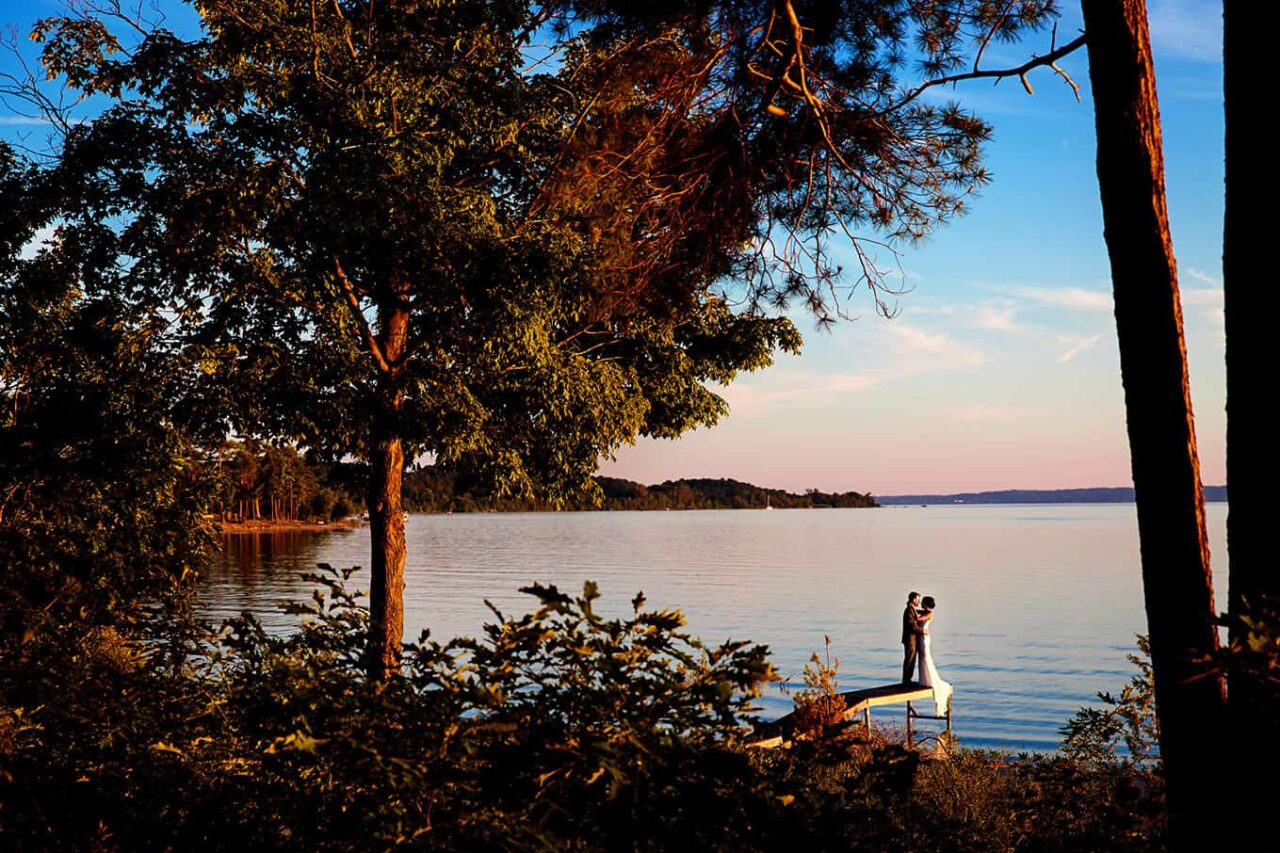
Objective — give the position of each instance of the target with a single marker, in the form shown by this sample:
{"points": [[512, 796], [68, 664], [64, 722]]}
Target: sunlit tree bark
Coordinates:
{"points": [[1177, 582]]}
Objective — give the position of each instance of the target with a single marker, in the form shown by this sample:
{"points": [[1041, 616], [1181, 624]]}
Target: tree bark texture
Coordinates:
{"points": [[1176, 575], [386, 593], [1252, 304], [386, 515]]}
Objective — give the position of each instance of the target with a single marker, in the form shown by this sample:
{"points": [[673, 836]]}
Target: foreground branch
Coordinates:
{"points": [[1049, 60]]}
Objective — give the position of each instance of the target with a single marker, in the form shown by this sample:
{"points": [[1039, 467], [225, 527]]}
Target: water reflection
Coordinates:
{"points": [[256, 571], [246, 555]]}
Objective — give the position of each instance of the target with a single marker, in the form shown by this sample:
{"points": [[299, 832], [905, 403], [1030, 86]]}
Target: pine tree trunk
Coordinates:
{"points": [[1177, 582], [1253, 455]]}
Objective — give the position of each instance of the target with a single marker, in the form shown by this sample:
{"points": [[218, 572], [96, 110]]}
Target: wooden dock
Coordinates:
{"points": [[779, 733]]}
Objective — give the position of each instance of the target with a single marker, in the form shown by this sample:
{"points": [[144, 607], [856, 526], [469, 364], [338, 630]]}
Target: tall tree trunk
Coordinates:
{"points": [[386, 523], [1176, 578], [1253, 455], [386, 517]]}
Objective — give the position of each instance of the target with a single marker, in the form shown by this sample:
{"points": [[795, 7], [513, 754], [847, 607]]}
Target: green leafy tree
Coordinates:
{"points": [[103, 497], [396, 229], [338, 204]]}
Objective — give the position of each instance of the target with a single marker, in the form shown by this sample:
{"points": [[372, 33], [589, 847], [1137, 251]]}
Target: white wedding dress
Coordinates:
{"points": [[929, 678]]}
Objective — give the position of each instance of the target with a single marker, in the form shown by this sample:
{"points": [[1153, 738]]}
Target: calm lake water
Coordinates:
{"points": [[1037, 605]]}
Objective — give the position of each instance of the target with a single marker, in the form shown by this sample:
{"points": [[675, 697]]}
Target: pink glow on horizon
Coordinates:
{"points": [[910, 463]]}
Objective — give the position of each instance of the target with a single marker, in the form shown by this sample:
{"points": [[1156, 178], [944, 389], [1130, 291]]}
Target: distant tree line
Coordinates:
{"points": [[264, 482], [261, 482], [432, 489], [703, 493]]}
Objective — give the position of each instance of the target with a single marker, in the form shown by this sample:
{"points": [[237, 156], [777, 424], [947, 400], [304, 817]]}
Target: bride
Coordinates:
{"points": [[928, 672]]}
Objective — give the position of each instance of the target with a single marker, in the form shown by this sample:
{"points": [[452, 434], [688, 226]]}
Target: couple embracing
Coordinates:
{"points": [[916, 651]]}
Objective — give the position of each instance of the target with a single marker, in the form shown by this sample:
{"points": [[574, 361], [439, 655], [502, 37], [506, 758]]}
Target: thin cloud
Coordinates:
{"points": [[1201, 276], [1201, 296], [743, 395], [988, 413], [917, 338], [1187, 29], [1075, 298], [919, 308], [998, 315], [22, 121], [995, 318], [940, 347], [1078, 345]]}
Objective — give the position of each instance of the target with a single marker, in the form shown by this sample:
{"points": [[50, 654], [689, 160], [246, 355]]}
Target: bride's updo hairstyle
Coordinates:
{"points": [[928, 603]]}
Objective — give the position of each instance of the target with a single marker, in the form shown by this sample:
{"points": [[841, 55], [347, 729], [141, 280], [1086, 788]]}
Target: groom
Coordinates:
{"points": [[912, 634]]}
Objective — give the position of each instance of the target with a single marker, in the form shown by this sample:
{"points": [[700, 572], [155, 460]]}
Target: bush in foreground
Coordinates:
{"points": [[559, 729]]}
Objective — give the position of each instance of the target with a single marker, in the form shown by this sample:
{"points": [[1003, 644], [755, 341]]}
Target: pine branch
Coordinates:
{"points": [[1050, 60]]}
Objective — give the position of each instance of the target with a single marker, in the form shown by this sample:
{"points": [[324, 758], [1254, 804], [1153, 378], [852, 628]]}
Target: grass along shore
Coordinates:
{"points": [[264, 525]]}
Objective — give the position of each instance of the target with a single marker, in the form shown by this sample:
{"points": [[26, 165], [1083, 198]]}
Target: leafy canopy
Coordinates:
{"points": [[344, 208], [102, 496], [505, 232]]}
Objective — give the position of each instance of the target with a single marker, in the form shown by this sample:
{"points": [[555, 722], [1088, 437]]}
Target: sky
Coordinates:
{"points": [[1000, 368]]}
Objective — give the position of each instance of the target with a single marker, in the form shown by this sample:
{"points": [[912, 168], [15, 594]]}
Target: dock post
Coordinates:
{"points": [[909, 709]]}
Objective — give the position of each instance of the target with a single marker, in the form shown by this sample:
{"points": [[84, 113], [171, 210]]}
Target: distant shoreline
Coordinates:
{"points": [[232, 528], [1011, 497], [1118, 495]]}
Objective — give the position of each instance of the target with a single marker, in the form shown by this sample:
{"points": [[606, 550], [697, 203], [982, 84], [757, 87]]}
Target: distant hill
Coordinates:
{"points": [[431, 489], [1037, 496], [705, 493]]}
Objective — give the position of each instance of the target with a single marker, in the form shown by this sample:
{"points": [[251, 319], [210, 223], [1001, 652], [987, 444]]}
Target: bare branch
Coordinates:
{"points": [[1050, 60], [353, 302], [27, 87]]}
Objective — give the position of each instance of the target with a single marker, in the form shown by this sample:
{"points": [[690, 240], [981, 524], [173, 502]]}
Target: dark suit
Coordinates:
{"points": [[911, 634]]}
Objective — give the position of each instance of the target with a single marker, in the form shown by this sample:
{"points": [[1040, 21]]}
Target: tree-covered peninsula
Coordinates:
{"points": [[432, 490], [259, 483]]}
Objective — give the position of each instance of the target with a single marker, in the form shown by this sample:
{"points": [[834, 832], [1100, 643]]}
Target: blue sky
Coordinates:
{"points": [[1000, 369]]}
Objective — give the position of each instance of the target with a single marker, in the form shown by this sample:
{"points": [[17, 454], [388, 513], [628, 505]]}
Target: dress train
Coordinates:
{"points": [[929, 678]]}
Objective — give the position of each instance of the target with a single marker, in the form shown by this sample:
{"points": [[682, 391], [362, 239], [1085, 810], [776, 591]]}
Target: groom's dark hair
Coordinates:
{"points": [[912, 595]]}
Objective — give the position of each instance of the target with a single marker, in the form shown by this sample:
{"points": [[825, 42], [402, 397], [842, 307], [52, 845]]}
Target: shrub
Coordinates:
{"points": [[559, 729], [819, 708]]}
